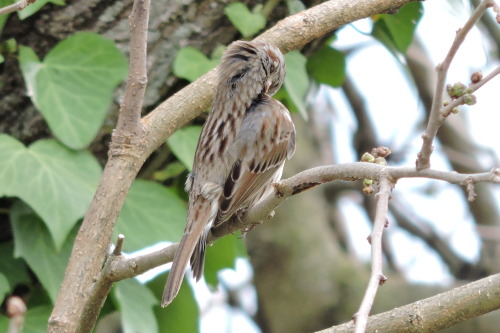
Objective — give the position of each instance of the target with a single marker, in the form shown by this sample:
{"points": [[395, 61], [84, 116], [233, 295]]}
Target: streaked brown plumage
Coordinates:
{"points": [[241, 151]]}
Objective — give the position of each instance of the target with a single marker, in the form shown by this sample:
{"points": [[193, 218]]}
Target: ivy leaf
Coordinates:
{"points": [[396, 31], [182, 315], [296, 83], [247, 23], [56, 182], [327, 66], [33, 243], [190, 63], [183, 144], [135, 302], [73, 86], [151, 213]]}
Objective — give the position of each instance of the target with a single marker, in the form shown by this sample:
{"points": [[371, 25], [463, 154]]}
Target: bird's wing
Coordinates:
{"points": [[265, 140]]}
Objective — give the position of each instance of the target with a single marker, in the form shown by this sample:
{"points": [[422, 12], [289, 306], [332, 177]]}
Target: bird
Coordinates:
{"points": [[242, 149]]}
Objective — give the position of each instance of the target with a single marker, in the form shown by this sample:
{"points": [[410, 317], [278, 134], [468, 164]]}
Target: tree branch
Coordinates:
{"points": [[435, 313], [122, 267], [74, 310], [20, 5], [129, 124], [377, 277], [437, 114]]}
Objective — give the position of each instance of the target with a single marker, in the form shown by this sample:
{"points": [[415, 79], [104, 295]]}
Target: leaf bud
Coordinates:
{"points": [[469, 99], [367, 157], [380, 161], [476, 77], [456, 90]]}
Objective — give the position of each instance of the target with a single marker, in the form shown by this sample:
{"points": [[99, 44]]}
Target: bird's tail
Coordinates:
{"points": [[197, 227]]}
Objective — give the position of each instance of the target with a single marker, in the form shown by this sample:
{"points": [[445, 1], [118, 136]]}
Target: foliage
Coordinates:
{"points": [[56, 182], [190, 63], [79, 74], [396, 31], [50, 183], [247, 22]]}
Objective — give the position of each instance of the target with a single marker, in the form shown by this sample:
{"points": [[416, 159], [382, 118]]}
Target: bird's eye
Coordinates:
{"points": [[272, 68]]}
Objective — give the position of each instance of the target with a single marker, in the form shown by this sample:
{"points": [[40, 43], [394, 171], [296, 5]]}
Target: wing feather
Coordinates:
{"points": [[265, 140]]}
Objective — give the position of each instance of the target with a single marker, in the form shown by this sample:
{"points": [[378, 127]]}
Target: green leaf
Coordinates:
{"points": [[56, 182], [295, 6], [182, 315], [183, 144], [30, 65], [35, 7], [4, 286], [135, 302], [4, 323], [296, 82], [151, 213], [222, 254], [73, 86], [36, 319], [172, 170], [14, 270], [327, 66], [397, 31], [247, 23], [190, 63], [34, 244]]}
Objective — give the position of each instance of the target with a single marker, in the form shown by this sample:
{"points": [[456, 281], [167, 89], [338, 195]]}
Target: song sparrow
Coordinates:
{"points": [[241, 151]]}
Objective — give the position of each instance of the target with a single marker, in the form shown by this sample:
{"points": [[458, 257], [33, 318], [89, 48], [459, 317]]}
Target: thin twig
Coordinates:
{"points": [[377, 277], [446, 110], [16, 6], [129, 120], [436, 117], [119, 245]]}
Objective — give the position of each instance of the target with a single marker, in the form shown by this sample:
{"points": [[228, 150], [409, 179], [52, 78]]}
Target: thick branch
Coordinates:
{"points": [[73, 311], [435, 313]]}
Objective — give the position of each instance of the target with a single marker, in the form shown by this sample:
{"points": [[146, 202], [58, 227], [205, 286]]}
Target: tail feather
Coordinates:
{"points": [[194, 235], [198, 256]]}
